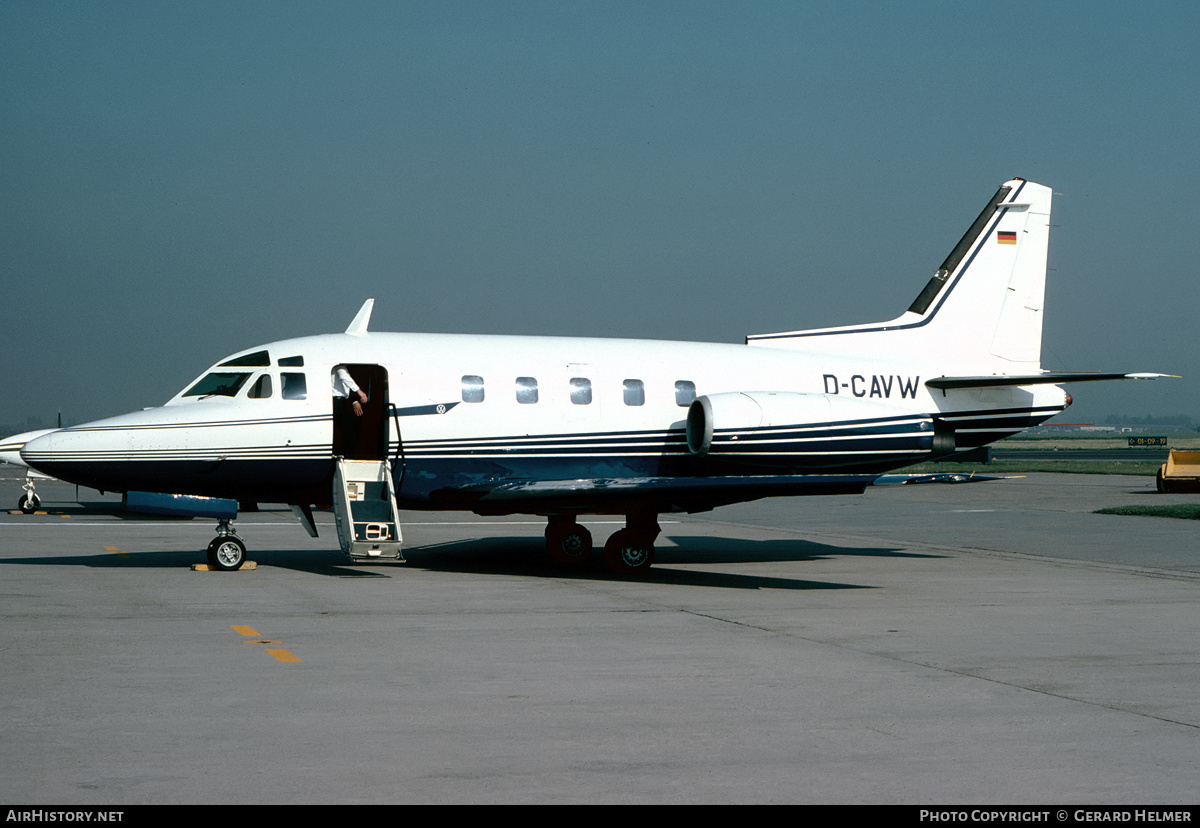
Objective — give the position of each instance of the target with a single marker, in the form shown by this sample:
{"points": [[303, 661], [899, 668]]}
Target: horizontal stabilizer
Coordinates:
{"points": [[1046, 378]]}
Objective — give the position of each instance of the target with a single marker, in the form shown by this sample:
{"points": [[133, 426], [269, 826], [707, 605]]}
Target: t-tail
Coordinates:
{"points": [[981, 311], [982, 308]]}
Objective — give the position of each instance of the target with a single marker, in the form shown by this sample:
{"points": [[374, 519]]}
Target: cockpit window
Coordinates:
{"points": [[223, 384], [294, 386], [291, 362], [261, 388], [258, 359]]}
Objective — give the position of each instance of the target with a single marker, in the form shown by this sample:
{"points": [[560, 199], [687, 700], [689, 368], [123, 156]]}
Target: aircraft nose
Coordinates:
{"points": [[38, 447]]}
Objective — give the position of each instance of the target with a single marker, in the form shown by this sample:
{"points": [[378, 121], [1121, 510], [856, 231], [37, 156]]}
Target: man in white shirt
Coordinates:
{"points": [[344, 386]]}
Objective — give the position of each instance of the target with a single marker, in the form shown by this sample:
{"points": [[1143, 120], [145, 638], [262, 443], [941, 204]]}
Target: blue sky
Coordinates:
{"points": [[182, 180]]}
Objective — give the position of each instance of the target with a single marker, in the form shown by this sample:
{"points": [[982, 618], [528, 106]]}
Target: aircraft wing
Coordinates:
{"points": [[611, 495], [1049, 377]]}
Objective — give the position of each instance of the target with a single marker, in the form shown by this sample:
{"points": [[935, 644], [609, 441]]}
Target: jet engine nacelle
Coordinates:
{"points": [[762, 409]]}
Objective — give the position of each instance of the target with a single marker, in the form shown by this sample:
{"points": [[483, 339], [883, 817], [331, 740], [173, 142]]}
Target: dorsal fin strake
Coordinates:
{"points": [[359, 326]]}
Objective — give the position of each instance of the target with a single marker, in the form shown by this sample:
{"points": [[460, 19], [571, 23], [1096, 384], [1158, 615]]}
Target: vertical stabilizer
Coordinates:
{"points": [[983, 305], [992, 287]]}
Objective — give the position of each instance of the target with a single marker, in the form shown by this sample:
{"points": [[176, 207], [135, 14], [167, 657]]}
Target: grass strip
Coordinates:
{"points": [[1185, 511]]}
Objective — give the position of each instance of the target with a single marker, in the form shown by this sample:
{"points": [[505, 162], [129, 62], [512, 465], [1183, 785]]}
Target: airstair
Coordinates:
{"points": [[364, 501]]}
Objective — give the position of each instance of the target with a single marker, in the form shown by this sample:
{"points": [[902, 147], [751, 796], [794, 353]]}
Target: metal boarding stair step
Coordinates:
{"points": [[364, 499]]}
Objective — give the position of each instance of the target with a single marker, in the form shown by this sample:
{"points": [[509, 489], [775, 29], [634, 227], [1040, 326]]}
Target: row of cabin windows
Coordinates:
{"points": [[633, 391], [293, 386]]}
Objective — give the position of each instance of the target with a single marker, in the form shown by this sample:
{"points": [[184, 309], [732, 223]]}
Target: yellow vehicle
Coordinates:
{"points": [[1181, 472]]}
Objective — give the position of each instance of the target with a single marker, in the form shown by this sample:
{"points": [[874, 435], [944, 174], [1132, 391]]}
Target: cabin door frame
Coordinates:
{"points": [[365, 437]]}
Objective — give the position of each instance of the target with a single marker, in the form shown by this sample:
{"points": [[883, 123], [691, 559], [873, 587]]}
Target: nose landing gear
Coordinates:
{"points": [[29, 502], [227, 552]]}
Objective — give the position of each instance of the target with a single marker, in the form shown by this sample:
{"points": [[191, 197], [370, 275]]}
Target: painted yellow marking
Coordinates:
{"points": [[284, 656], [117, 549], [253, 636]]}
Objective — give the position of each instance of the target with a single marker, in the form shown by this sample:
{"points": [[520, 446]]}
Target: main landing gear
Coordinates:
{"points": [[629, 551], [567, 542], [227, 552]]}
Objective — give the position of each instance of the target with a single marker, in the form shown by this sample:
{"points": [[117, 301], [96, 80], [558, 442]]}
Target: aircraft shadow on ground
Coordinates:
{"points": [[314, 561], [522, 556]]}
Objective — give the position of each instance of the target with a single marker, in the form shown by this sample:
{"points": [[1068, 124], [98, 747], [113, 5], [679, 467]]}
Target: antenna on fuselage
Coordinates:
{"points": [[359, 326]]}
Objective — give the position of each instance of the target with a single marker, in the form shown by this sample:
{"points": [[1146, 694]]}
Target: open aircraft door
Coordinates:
{"points": [[364, 495]]}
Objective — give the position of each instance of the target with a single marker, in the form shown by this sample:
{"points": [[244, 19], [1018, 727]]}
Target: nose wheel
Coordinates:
{"points": [[29, 502], [226, 553]]}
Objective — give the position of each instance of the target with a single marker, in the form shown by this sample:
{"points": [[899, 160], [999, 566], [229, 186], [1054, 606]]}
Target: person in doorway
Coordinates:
{"points": [[345, 388]]}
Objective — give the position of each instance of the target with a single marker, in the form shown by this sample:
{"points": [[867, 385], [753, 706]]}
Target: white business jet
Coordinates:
{"points": [[563, 427]]}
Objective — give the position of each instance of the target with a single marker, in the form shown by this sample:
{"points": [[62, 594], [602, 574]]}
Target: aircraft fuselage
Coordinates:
{"points": [[456, 410]]}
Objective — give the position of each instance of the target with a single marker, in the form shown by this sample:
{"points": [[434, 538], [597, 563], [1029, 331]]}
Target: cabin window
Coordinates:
{"points": [[581, 390], [635, 392], [291, 362], [294, 386], [261, 388], [258, 359], [472, 388], [685, 392], [219, 384], [527, 392]]}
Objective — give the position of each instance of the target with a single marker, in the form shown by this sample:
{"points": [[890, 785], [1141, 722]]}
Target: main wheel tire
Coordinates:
{"points": [[28, 504], [568, 543], [628, 553], [226, 554]]}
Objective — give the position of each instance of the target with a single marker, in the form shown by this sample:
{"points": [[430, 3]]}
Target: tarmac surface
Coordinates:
{"points": [[925, 644]]}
